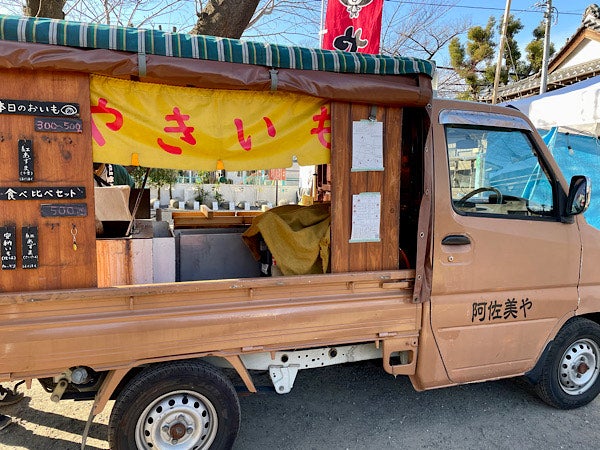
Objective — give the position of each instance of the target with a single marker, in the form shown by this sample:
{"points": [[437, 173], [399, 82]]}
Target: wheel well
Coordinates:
{"points": [[135, 370], [594, 317], [125, 381], [534, 374]]}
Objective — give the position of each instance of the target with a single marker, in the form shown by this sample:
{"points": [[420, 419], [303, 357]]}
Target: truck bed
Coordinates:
{"points": [[43, 333]]}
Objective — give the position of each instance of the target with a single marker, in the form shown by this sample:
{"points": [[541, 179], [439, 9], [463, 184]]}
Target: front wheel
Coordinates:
{"points": [[179, 405], [570, 374]]}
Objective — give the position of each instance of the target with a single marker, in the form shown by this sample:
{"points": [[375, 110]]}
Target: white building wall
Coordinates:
{"points": [[254, 187], [587, 51], [237, 193]]}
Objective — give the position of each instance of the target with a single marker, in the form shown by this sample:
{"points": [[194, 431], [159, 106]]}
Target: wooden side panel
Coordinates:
{"points": [[45, 332], [390, 209], [61, 159], [341, 196], [383, 255]]}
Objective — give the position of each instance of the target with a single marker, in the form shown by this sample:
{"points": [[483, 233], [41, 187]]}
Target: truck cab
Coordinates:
{"points": [[507, 256]]}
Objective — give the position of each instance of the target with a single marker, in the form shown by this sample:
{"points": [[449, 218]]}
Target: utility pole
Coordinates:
{"points": [[500, 53], [546, 55]]}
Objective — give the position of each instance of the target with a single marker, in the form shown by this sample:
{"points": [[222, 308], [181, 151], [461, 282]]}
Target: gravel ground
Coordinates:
{"points": [[356, 406]]}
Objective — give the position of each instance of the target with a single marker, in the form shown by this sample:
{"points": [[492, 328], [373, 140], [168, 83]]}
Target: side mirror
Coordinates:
{"points": [[579, 195]]}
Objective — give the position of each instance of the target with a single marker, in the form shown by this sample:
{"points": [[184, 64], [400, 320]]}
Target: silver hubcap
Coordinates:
{"points": [[177, 420], [578, 368]]}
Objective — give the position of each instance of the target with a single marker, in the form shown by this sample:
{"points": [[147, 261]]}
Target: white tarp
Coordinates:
{"points": [[575, 108]]}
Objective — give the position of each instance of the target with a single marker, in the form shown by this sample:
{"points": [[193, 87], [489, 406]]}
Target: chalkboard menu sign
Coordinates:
{"points": [[41, 192], [64, 210], [56, 125], [25, 160], [30, 247], [9, 250], [35, 108]]}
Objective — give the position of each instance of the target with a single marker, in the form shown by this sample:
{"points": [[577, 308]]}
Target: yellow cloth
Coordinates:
{"points": [[174, 127], [297, 236]]}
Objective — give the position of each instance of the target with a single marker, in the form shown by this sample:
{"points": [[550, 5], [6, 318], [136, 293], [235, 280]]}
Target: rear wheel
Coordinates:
{"points": [[179, 405], [570, 374]]}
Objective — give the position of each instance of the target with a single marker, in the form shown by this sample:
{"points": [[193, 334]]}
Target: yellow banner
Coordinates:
{"points": [[171, 127]]}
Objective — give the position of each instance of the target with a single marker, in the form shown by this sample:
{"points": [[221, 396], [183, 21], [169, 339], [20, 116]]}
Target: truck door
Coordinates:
{"points": [[505, 268]]}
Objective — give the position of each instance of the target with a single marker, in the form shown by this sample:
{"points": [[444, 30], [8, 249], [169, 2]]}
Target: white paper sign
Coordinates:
{"points": [[367, 146], [366, 217]]}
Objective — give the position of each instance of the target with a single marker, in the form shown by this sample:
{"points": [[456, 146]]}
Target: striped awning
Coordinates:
{"points": [[155, 42]]}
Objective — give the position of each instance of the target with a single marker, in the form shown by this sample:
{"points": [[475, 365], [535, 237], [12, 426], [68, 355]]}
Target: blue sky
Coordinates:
{"points": [[283, 29], [566, 22]]}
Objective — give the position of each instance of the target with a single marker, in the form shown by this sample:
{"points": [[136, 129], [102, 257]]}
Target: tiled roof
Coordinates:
{"points": [[591, 18]]}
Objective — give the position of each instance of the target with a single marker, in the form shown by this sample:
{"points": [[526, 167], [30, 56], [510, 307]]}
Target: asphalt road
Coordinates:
{"points": [[356, 406]]}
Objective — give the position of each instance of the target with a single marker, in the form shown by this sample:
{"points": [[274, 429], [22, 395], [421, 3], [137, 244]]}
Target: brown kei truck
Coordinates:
{"points": [[452, 248]]}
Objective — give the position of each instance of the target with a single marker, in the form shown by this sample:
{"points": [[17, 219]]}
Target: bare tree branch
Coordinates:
{"points": [[417, 30]]}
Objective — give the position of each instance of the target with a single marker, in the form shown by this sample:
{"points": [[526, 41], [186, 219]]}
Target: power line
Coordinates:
{"points": [[486, 8]]}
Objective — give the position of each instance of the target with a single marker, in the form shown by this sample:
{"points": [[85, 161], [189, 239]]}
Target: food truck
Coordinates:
{"points": [[425, 247]]}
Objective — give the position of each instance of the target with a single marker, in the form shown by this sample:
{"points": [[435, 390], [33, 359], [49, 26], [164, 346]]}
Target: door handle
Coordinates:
{"points": [[456, 239]]}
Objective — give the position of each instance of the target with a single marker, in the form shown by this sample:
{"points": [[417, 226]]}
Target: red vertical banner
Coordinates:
{"points": [[353, 25]]}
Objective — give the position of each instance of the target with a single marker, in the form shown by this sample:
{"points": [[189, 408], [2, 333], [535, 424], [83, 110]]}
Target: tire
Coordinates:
{"points": [[177, 405], [570, 373]]}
